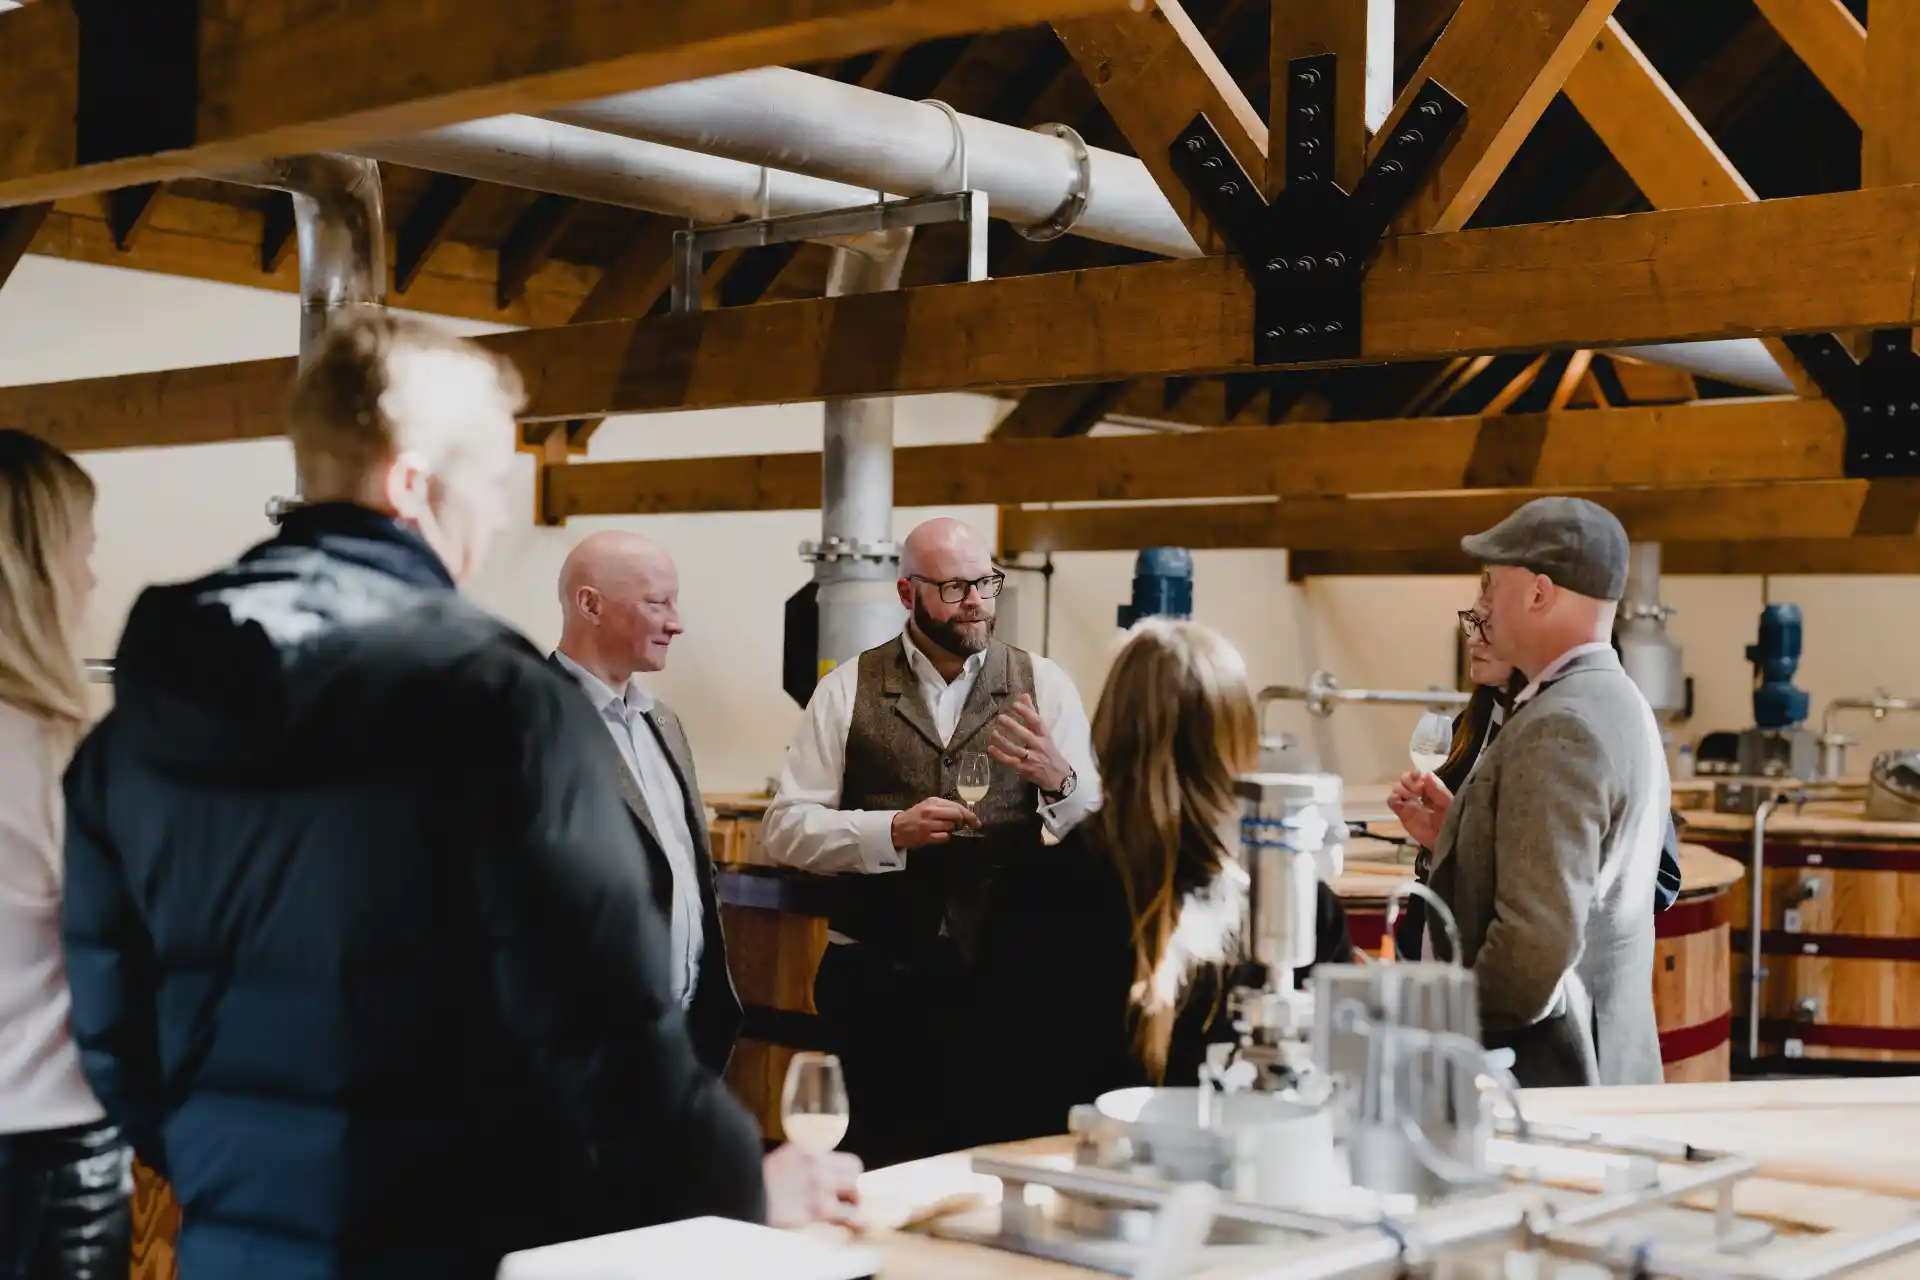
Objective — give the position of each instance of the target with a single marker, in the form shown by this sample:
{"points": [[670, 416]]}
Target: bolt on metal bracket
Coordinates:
{"points": [[1878, 397], [1307, 253]]}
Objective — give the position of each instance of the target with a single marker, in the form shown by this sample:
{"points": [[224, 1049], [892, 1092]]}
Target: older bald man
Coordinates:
{"points": [[620, 600], [870, 788]]}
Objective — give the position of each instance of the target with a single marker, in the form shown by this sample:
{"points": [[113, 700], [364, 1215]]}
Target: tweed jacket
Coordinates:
{"points": [[1548, 858]]}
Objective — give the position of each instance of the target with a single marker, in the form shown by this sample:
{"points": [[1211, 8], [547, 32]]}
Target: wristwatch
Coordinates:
{"points": [[1066, 789]]}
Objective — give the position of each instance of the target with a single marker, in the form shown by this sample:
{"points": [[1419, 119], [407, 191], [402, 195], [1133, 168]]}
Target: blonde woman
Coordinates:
{"points": [[63, 1212], [1102, 959]]}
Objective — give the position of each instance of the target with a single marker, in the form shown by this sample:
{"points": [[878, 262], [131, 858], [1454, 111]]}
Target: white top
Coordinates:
{"points": [[40, 1082], [805, 826], [626, 717]]}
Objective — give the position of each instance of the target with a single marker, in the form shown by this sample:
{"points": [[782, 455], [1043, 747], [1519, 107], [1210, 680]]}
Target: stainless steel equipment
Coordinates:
{"points": [[1833, 745], [1370, 1135], [1651, 659], [1893, 786]]}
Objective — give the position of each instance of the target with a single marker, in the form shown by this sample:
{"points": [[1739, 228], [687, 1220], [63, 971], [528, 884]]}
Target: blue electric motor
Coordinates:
{"points": [[1777, 702], [1162, 585]]}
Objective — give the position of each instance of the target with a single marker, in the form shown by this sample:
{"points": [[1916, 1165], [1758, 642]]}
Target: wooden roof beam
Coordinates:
{"points": [[401, 66], [1890, 152], [1810, 556], [1360, 33], [1722, 442], [1153, 70], [1049, 412], [1826, 262], [1832, 43], [1506, 59], [426, 226], [1747, 513], [1664, 149], [18, 227]]}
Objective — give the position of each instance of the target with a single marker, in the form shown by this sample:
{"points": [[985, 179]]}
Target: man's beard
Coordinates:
{"points": [[948, 635]]}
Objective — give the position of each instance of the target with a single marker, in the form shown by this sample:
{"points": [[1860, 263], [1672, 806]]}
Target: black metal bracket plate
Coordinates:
{"points": [[1307, 253], [139, 65], [1879, 397]]}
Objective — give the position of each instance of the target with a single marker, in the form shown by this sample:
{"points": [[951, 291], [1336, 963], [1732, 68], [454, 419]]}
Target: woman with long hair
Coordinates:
{"points": [[63, 1169], [1102, 960]]}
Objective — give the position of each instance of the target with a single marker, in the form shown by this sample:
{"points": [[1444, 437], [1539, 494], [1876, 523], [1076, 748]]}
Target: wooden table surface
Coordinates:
{"points": [[1836, 1155]]}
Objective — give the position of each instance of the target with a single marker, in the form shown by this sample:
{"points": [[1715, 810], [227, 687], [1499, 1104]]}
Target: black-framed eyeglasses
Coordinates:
{"points": [[954, 590], [1474, 624]]}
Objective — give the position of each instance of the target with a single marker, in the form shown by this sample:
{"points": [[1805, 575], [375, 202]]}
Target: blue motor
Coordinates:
{"points": [[1162, 585], [1777, 702]]}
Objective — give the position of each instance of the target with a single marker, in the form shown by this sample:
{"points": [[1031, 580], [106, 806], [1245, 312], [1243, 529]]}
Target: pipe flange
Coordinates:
{"points": [[831, 550], [1068, 215]]}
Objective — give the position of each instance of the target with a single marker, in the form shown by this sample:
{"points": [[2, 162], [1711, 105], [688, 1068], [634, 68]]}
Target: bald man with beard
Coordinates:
{"points": [[869, 794], [620, 601]]}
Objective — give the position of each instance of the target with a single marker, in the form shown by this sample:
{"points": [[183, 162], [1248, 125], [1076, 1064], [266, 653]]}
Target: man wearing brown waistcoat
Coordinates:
{"points": [[870, 792]]}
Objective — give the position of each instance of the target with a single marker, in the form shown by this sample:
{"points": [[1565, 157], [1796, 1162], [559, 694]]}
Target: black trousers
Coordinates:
{"points": [[895, 1026], [63, 1205]]}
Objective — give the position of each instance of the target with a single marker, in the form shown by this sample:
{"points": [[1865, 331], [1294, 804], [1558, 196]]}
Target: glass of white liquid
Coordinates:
{"points": [[975, 779], [813, 1103], [1432, 740]]}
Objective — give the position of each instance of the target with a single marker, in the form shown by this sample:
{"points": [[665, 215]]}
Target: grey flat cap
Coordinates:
{"points": [[1578, 544]]}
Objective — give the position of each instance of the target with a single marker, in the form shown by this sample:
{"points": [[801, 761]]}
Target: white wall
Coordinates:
{"points": [[169, 514]]}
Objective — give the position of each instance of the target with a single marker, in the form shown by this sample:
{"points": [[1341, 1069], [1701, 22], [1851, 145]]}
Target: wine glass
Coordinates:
{"points": [[973, 782], [1432, 740], [813, 1102]]}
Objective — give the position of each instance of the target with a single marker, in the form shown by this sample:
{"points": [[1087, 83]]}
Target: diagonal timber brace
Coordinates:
{"points": [[1307, 252], [1879, 397]]}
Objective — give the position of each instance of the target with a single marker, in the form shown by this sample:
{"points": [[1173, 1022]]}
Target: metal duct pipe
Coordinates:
{"points": [[523, 151], [792, 120], [1026, 175], [340, 227], [856, 562], [1744, 362]]}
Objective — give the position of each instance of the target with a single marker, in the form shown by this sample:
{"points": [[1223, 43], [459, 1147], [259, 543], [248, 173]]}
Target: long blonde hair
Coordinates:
{"points": [[45, 503], [1175, 726]]}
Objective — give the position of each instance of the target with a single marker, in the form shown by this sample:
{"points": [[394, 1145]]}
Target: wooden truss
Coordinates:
{"points": [[1708, 260]]}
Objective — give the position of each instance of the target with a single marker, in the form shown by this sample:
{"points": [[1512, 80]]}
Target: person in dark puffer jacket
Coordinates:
{"points": [[362, 951]]}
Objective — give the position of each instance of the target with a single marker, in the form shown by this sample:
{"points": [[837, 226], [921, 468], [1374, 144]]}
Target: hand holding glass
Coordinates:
{"points": [[813, 1103], [1432, 740], [975, 779]]}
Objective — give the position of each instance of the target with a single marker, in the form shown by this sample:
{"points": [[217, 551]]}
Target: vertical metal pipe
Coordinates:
{"points": [[857, 562], [339, 224], [340, 229], [1757, 871]]}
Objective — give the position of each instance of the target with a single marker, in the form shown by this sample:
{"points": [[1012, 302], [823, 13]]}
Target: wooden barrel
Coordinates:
{"points": [[1839, 940], [1692, 940]]}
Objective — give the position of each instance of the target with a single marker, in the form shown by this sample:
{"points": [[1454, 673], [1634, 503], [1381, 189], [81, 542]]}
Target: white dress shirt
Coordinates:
{"points": [[40, 1082], [806, 828], [625, 715]]}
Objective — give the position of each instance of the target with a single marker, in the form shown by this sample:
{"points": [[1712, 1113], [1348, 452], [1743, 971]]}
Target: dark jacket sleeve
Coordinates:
{"points": [[581, 974], [110, 963], [1666, 890]]}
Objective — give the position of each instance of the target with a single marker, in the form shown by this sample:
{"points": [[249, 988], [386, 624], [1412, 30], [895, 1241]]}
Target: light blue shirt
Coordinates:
{"points": [[626, 717]]}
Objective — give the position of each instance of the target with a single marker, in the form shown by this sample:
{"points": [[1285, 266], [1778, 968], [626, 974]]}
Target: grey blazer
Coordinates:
{"points": [[714, 1016], [1549, 858]]}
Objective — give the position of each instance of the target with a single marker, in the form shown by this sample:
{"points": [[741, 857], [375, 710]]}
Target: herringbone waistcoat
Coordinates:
{"points": [[895, 759]]}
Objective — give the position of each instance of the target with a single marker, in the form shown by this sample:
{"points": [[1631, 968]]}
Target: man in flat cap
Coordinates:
{"points": [[1549, 855]]}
